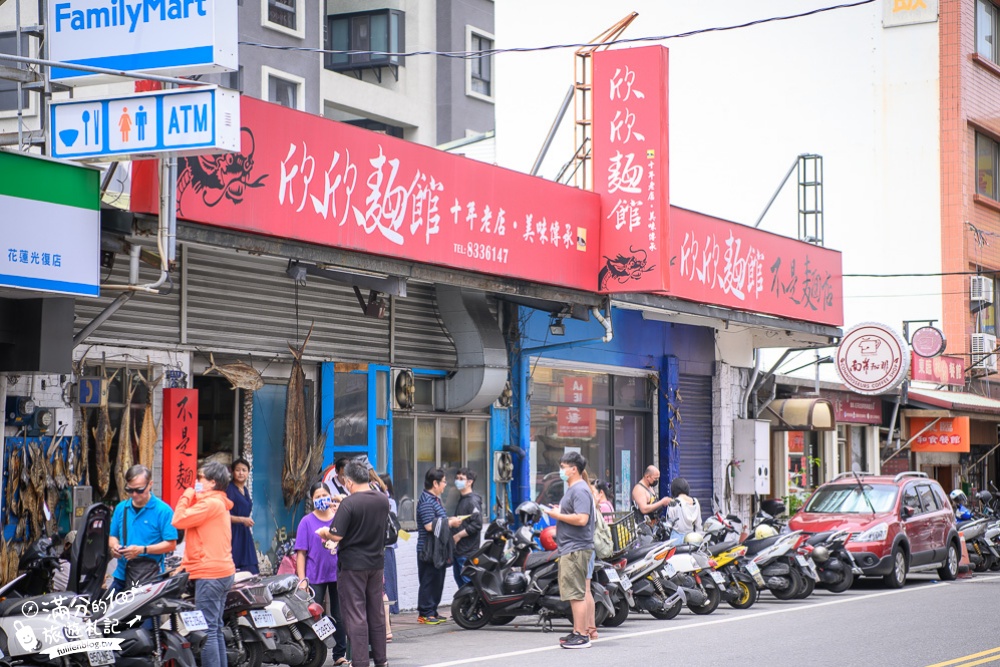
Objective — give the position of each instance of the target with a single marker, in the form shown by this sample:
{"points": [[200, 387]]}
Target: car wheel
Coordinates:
{"points": [[949, 570], [897, 577]]}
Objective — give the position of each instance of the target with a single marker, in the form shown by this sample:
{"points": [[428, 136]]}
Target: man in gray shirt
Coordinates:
{"points": [[575, 538]]}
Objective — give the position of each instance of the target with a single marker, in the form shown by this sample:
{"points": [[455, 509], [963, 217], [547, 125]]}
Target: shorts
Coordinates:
{"points": [[573, 577]]}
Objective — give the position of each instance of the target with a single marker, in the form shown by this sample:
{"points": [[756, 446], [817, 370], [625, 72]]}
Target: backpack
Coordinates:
{"points": [[391, 529], [603, 546]]}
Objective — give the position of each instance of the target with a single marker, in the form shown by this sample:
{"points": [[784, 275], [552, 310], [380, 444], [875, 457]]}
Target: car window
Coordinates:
{"points": [[910, 499], [927, 498], [852, 498]]}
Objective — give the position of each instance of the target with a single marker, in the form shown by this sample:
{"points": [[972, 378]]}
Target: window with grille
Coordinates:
{"points": [[283, 13]]}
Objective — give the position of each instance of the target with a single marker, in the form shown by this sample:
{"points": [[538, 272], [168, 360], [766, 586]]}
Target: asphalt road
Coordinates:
{"points": [[925, 624]]}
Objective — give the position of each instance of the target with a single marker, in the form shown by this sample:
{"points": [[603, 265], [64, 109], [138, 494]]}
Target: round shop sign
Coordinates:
{"points": [[928, 342], [872, 358]]}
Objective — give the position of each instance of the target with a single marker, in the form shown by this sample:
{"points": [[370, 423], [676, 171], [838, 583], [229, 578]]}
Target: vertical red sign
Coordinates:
{"points": [[631, 168], [180, 442], [577, 422]]}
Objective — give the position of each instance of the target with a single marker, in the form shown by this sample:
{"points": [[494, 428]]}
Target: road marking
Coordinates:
{"points": [[995, 656], [675, 628]]}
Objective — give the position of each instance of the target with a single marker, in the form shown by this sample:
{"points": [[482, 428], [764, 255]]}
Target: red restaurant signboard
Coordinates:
{"points": [[851, 408], [950, 434], [631, 168], [180, 443], [303, 177], [939, 370]]}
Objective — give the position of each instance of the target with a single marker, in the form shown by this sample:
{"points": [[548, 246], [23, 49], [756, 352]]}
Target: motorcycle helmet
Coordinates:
{"points": [[528, 513], [958, 497], [514, 582], [38, 554], [821, 554], [712, 526], [984, 497], [764, 531], [548, 538], [694, 538]]}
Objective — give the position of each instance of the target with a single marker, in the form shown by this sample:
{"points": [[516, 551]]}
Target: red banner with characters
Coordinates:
{"points": [[180, 443], [950, 434], [728, 264], [631, 160], [939, 370], [577, 422], [304, 177]]}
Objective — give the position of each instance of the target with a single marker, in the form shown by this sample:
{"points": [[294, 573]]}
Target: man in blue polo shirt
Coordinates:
{"points": [[141, 526]]}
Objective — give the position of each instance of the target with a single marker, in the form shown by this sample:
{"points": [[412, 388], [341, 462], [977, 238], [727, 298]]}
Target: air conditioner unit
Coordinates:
{"points": [[981, 290], [983, 347], [403, 389]]}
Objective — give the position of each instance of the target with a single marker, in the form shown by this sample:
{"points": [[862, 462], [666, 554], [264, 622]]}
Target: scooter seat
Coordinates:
{"points": [[717, 549], [685, 548], [639, 552], [756, 546], [539, 558], [45, 603]]}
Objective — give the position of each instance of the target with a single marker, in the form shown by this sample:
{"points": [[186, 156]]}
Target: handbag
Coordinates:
{"points": [[603, 546], [140, 570], [391, 529]]}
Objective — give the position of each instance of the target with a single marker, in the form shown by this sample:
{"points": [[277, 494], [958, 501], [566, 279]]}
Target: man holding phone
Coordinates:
{"points": [[140, 529]]}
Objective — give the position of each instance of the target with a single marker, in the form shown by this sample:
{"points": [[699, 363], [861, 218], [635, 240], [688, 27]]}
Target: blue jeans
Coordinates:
{"points": [[456, 569], [210, 599]]}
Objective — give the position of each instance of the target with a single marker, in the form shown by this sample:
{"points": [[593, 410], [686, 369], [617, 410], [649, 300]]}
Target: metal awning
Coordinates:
{"points": [[800, 414], [959, 403]]}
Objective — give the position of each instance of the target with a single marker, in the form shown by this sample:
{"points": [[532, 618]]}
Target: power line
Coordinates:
{"points": [[552, 47], [914, 275]]}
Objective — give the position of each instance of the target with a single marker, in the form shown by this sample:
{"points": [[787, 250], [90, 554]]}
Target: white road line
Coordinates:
{"points": [[677, 628]]}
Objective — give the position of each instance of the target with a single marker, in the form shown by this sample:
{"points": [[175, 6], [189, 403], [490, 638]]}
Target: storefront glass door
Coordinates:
{"points": [[630, 434]]}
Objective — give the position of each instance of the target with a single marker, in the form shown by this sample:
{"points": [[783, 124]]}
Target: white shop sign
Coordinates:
{"points": [[193, 121], [168, 37]]}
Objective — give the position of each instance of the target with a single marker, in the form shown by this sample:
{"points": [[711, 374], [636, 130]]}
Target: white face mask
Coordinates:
{"points": [[198, 487]]}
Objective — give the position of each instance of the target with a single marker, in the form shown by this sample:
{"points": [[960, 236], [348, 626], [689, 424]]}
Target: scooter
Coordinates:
{"points": [[835, 565], [647, 568], [302, 633], [782, 567], [517, 581]]}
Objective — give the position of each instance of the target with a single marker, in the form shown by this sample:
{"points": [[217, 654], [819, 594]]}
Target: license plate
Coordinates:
{"points": [[626, 584], [669, 570], [802, 561], [262, 618], [752, 568], [194, 620], [718, 578], [323, 627], [101, 658], [612, 575]]}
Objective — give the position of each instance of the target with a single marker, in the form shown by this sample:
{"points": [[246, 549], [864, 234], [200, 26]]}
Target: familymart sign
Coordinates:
{"points": [[50, 230], [169, 37]]}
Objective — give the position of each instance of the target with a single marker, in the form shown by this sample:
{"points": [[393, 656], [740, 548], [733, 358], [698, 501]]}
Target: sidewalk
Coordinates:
{"points": [[405, 626]]}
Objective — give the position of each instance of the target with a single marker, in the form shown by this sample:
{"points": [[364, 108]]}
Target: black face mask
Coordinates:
{"points": [[655, 482]]}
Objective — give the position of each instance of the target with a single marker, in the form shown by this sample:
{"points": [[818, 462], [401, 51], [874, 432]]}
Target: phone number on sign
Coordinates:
{"points": [[482, 251]]}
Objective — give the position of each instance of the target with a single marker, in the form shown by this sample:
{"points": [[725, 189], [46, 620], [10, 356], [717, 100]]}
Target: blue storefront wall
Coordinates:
{"points": [[659, 347]]}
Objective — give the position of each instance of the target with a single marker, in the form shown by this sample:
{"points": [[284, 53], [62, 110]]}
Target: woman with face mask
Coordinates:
{"points": [[316, 563]]}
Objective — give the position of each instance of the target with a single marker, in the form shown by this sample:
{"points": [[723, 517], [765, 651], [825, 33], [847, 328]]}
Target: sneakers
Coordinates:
{"points": [[430, 620], [563, 640], [576, 641]]}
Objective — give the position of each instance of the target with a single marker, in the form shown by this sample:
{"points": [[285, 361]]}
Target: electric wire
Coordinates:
{"points": [[464, 55]]}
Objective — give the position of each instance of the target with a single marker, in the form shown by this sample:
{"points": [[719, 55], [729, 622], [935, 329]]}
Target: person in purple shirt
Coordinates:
{"points": [[316, 565]]}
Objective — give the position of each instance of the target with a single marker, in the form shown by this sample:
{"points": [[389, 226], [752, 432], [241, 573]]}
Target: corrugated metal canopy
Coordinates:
{"points": [[955, 400]]}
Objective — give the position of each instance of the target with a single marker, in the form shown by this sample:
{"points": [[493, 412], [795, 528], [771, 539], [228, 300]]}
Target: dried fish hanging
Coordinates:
{"points": [[248, 379], [103, 435], [83, 455], [125, 460], [148, 433], [294, 479]]}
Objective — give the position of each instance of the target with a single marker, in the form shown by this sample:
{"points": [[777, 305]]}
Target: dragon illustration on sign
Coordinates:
{"points": [[623, 268], [218, 177]]}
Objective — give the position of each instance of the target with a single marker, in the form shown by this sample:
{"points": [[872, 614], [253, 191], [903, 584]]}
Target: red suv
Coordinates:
{"points": [[898, 524]]}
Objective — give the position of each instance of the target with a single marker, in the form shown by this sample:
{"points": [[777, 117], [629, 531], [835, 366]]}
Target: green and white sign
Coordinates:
{"points": [[50, 229]]}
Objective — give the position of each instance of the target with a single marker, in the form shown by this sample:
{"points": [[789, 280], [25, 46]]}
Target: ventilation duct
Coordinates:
{"points": [[479, 345]]}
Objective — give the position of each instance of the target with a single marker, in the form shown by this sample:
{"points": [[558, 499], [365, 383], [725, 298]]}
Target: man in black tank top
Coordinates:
{"points": [[645, 494]]}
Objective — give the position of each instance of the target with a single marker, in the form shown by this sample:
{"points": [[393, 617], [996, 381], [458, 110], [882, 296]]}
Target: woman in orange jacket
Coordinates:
{"points": [[203, 513]]}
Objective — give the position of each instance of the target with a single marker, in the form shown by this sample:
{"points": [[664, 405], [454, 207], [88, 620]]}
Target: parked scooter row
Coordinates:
{"points": [[982, 532], [267, 620], [658, 575]]}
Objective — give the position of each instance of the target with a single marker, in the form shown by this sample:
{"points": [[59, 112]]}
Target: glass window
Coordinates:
{"points": [[402, 468], [373, 34], [451, 459], [426, 451], [986, 166], [481, 68], [283, 92], [282, 12], [8, 89], [986, 29], [910, 499], [927, 498], [631, 392], [859, 449], [350, 409], [853, 498], [477, 448]]}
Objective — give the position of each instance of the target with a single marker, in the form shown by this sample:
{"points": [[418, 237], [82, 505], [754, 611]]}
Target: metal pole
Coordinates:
{"points": [[552, 132], [103, 70], [20, 89], [775, 195], [911, 440]]}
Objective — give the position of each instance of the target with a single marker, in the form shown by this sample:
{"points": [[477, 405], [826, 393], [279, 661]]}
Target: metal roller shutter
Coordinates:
{"points": [[145, 318], [695, 437], [421, 340]]}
